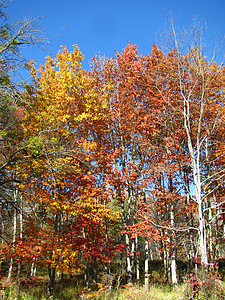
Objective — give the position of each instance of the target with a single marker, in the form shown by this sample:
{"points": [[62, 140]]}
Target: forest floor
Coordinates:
{"points": [[214, 290], [205, 285]]}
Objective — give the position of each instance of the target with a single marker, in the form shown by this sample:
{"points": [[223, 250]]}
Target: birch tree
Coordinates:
{"points": [[193, 92]]}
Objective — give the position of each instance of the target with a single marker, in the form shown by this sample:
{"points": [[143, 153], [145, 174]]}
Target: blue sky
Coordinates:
{"points": [[98, 26]]}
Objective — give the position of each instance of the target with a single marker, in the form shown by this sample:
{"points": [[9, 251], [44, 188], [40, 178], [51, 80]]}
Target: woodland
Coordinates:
{"points": [[112, 175]]}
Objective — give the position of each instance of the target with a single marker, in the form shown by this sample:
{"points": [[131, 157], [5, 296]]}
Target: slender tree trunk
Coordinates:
{"points": [[165, 258], [86, 273], [86, 269], [107, 264], [202, 233], [173, 269], [33, 269], [21, 229], [137, 261], [95, 272], [132, 255], [195, 163], [3, 232], [51, 273], [151, 254], [224, 230], [121, 259], [173, 256], [211, 252], [146, 263], [14, 233], [58, 276], [129, 271]]}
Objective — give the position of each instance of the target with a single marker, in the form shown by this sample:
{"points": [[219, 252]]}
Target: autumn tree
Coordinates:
{"points": [[61, 112], [14, 37], [192, 89]]}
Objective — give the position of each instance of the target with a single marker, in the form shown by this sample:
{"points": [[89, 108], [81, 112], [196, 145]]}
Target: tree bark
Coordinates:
{"points": [[51, 274], [15, 195], [146, 263], [129, 271], [137, 262], [173, 250]]}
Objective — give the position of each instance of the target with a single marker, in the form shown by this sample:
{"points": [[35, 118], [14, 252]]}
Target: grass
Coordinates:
{"points": [[209, 288], [70, 292]]}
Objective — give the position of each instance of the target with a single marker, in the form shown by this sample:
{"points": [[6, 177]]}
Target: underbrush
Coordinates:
{"points": [[70, 293], [201, 285], [129, 291]]}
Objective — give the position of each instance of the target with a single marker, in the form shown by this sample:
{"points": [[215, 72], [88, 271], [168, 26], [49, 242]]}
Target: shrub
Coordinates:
{"points": [[205, 284]]}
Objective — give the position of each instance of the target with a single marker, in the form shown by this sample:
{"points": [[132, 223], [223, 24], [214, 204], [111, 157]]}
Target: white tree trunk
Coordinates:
{"points": [[137, 262], [129, 271], [195, 163], [33, 269], [173, 270], [146, 264], [173, 256], [202, 234]]}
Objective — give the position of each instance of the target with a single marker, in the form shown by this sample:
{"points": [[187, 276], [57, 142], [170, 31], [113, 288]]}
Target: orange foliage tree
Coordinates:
{"points": [[130, 152]]}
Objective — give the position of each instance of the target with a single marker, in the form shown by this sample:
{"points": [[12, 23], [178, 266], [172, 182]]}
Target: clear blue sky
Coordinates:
{"points": [[98, 26]]}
